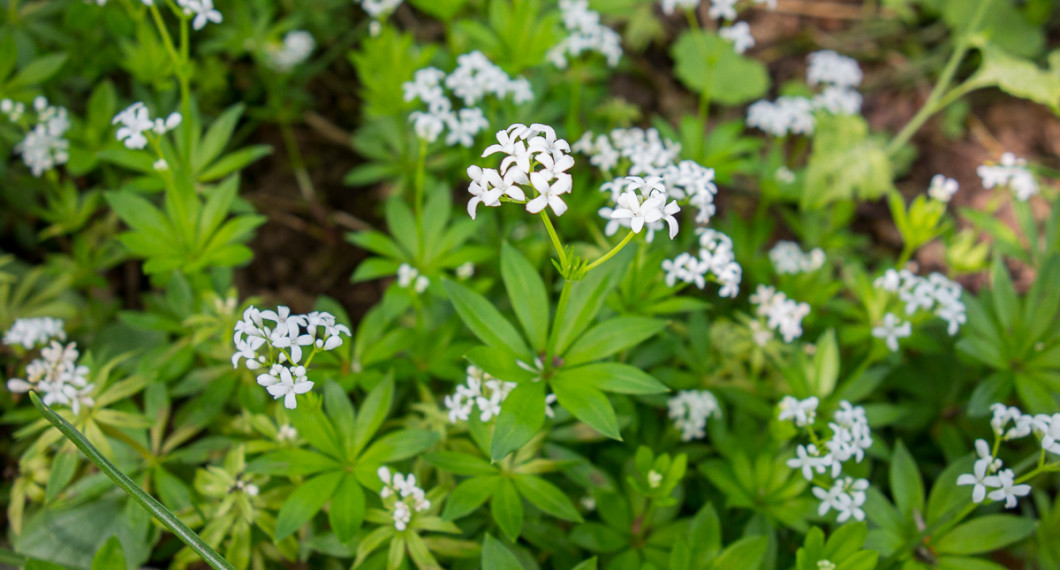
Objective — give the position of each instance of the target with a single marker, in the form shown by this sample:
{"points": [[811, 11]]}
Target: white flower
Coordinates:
{"points": [[296, 48], [782, 314], [787, 115], [846, 496], [890, 331], [739, 35], [549, 194], [838, 100], [980, 479], [830, 68], [654, 479], [428, 126], [134, 120], [43, 147], [802, 412], [162, 126], [286, 382], [58, 377], [646, 208], [286, 433], [585, 34], [203, 10], [1011, 172], [668, 6], [942, 188], [34, 331], [1008, 491], [722, 9], [379, 8], [465, 270], [481, 390], [788, 258], [1003, 415], [809, 459], [690, 409]]}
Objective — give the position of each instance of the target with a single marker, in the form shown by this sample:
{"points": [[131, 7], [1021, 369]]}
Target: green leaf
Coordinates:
{"points": [[373, 412], [965, 563], [704, 533], [37, 71], [139, 214], [496, 555], [612, 377], [63, 468], [110, 556], [1006, 303], [484, 320], [589, 564], [825, 364], [468, 496], [398, 445], [597, 537], [217, 137], [746, 554], [845, 163], [305, 501], [611, 336], [547, 497], [234, 161], [522, 415], [347, 508], [460, 463], [587, 297], [985, 534], [340, 412], [588, 405], [502, 364], [293, 462], [527, 293], [907, 487], [507, 509], [313, 426], [946, 497], [706, 63]]}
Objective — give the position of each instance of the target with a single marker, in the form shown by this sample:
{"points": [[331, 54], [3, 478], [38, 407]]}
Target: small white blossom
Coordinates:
{"points": [[585, 33], [942, 188], [891, 330], [788, 258], [830, 68], [203, 11], [722, 9], [739, 35], [296, 47], [654, 479], [802, 412], [35, 331], [690, 409], [1011, 172], [286, 382], [1008, 491], [668, 6]]}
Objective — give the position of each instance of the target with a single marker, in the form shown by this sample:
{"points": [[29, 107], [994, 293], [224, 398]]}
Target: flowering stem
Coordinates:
{"points": [[611, 253], [149, 503], [555, 241], [932, 105]]}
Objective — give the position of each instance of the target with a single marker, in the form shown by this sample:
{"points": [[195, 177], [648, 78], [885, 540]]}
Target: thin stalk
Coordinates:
{"points": [[184, 76], [555, 241], [149, 503], [931, 106], [418, 183], [611, 253], [294, 154], [561, 313]]}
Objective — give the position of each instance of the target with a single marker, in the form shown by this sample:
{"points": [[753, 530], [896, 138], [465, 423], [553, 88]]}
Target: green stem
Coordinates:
{"points": [[611, 253], [301, 175], [561, 311], [704, 53], [417, 187], [555, 241], [149, 503], [184, 76], [931, 106], [12, 11]]}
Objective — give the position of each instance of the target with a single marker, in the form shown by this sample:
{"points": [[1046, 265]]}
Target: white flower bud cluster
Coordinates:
{"points": [[942, 189], [407, 498], [585, 33], [135, 120], [650, 155], [283, 335], [782, 314], [43, 147], [988, 479], [689, 410], [935, 294], [789, 259], [474, 78], [409, 276], [851, 436], [838, 75], [1012, 173], [716, 258], [34, 332], [58, 377], [296, 47], [485, 392], [532, 155]]}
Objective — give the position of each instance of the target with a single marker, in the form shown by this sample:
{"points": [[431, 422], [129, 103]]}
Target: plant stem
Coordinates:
{"points": [[294, 154], [931, 106], [184, 76], [417, 188], [555, 241], [149, 503], [704, 94], [611, 253]]}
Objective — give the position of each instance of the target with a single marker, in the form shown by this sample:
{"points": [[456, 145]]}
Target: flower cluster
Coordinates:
{"points": [[35, 332], [788, 258], [988, 479], [474, 78], [851, 436], [58, 377], [715, 257], [934, 293], [790, 114], [942, 189], [43, 147], [639, 203], [689, 410], [892, 329], [649, 155], [409, 276], [1011, 172], [526, 149], [485, 392], [296, 47], [203, 11], [739, 35], [135, 120], [782, 314], [283, 335], [401, 494], [585, 33]]}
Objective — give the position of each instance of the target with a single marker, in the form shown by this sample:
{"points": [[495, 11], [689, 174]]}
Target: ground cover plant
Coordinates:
{"points": [[520, 284]]}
